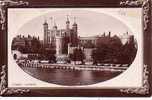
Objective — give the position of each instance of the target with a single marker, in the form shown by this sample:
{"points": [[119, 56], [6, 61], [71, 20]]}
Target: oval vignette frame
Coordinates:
{"points": [[144, 90], [82, 14]]}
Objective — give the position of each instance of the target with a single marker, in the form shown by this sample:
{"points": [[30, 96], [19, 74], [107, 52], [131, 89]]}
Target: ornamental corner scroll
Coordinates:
{"points": [[4, 90], [145, 4], [3, 5], [144, 89]]}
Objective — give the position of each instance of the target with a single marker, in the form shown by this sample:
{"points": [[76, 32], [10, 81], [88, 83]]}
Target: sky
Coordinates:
{"points": [[90, 23]]}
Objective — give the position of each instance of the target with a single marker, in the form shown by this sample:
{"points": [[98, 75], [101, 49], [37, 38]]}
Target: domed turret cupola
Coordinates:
{"points": [[67, 23], [45, 27], [45, 23], [74, 26]]}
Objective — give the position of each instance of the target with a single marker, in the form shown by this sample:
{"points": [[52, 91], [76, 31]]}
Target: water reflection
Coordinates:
{"points": [[70, 77]]}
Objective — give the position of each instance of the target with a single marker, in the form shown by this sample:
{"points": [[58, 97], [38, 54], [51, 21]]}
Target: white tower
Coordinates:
{"points": [[60, 57], [58, 45]]}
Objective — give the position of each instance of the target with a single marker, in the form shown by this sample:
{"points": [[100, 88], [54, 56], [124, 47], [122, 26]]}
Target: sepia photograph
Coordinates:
{"points": [[74, 47]]}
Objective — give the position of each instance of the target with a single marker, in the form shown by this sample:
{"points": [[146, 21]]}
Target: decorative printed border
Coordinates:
{"points": [[145, 85], [3, 75], [146, 8], [132, 2], [3, 5], [3, 84], [4, 90], [145, 5]]}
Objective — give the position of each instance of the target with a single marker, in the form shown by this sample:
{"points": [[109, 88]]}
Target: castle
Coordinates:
{"points": [[64, 41], [60, 38], [60, 45]]}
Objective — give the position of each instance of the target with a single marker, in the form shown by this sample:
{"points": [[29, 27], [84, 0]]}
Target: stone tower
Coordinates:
{"points": [[58, 45], [46, 35], [75, 27], [74, 33], [58, 40], [67, 23]]}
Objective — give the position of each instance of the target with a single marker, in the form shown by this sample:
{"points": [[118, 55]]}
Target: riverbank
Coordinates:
{"points": [[104, 67]]}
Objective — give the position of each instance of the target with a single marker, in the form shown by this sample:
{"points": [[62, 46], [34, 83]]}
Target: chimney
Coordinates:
{"points": [[109, 34]]}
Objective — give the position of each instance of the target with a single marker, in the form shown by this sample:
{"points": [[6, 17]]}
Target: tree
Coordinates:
{"points": [[127, 53], [47, 54], [99, 54], [35, 45], [78, 55], [88, 44], [65, 45], [107, 49]]}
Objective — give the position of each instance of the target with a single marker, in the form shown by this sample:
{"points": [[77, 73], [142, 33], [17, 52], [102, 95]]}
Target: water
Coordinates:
{"points": [[69, 77]]}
